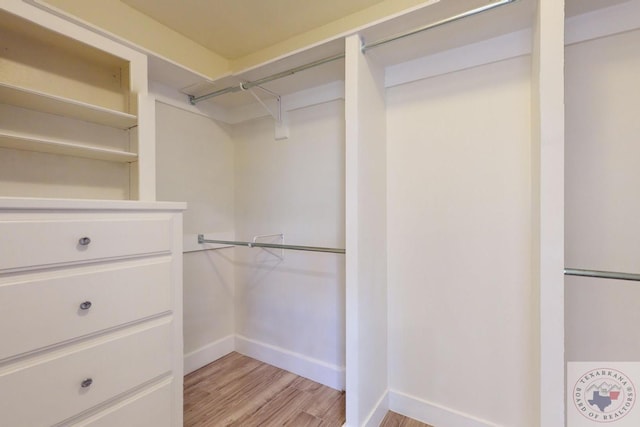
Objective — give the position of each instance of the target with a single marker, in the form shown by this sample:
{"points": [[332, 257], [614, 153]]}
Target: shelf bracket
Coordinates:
{"points": [[281, 125]]}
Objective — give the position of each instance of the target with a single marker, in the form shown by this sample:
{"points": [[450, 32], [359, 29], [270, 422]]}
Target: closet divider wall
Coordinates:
{"points": [[547, 191], [366, 184]]}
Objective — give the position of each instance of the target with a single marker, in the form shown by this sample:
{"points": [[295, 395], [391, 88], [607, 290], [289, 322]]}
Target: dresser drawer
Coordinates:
{"points": [[58, 306], [150, 408], [44, 242], [51, 390]]}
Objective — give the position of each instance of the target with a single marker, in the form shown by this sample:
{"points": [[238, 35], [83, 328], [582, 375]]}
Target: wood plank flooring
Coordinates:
{"points": [[393, 419], [239, 391]]}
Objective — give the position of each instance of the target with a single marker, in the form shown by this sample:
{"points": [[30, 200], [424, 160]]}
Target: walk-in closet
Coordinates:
{"points": [[424, 207]]}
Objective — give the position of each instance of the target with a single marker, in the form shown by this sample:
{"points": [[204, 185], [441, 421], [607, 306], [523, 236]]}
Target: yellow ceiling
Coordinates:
{"points": [[221, 37], [217, 38], [236, 28]]}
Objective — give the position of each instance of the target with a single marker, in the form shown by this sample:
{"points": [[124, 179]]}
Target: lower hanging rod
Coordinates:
{"points": [[201, 240], [601, 274]]}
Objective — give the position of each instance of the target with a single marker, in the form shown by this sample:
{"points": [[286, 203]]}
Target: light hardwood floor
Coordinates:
{"points": [[396, 420], [237, 390]]}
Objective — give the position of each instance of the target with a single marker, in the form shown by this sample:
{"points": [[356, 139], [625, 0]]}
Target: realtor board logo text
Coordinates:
{"points": [[604, 395]]}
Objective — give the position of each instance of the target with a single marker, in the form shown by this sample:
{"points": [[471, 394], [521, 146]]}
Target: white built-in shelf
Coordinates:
{"points": [[18, 141], [53, 104]]}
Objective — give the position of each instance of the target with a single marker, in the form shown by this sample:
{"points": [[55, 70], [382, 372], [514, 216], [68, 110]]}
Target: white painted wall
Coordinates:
{"points": [[366, 189], [462, 337], [602, 229], [290, 312], [195, 159]]}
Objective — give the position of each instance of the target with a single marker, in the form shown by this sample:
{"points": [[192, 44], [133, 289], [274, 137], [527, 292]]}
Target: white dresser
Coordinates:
{"points": [[90, 313]]}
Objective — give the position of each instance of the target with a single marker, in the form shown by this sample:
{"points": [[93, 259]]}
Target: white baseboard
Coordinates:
{"points": [[209, 353], [379, 411], [316, 370], [432, 413]]}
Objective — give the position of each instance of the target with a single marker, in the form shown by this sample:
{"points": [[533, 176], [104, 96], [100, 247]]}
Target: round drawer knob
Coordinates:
{"points": [[86, 383], [84, 241], [85, 305]]}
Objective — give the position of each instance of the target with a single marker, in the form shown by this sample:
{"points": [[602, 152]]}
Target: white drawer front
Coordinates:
{"points": [[33, 243], [50, 391], [47, 307], [151, 408]]}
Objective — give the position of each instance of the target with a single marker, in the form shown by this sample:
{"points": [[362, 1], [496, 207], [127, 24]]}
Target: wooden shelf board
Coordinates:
{"points": [[29, 143], [47, 103], [47, 37]]}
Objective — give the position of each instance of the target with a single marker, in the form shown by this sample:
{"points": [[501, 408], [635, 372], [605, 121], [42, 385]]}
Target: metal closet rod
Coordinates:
{"points": [[601, 274], [437, 24], [201, 240], [193, 100]]}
